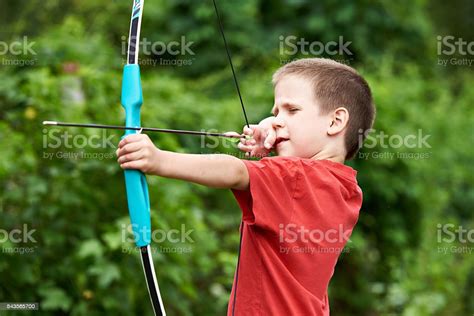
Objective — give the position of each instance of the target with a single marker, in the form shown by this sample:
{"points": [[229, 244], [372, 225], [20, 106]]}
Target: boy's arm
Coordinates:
{"points": [[217, 171]]}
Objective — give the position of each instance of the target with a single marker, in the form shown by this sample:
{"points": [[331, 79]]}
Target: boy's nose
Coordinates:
{"points": [[278, 122]]}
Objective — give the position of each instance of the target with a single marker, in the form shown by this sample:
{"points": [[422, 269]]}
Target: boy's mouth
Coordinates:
{"points": [[280, 140]]}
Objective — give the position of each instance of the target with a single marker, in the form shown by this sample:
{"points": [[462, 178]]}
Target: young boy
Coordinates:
{"points": [[299, 208]]}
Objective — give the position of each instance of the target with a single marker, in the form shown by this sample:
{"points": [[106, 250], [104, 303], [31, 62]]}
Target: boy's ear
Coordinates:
{"points": [[338, 121]]}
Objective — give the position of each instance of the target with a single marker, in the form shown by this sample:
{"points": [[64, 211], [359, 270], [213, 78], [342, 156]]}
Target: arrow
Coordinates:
{"points": [[144, 129]]}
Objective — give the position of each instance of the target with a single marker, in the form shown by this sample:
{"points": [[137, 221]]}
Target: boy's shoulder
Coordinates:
{"points": [[310, 167]]}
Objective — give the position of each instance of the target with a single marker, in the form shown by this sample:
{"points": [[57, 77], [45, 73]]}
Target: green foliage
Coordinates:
{"points": [[79, 263]]}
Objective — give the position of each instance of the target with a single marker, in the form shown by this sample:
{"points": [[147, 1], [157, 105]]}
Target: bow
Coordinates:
{"points": [[135, 181]]}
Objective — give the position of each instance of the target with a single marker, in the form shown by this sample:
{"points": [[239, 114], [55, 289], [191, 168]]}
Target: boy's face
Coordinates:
{"points": [[301, 130]]}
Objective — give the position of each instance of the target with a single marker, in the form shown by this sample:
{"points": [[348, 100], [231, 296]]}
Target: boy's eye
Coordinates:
{"points": [[293, 110]]}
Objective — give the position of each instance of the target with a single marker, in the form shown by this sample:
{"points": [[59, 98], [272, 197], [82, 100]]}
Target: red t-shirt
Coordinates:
{"points": [[297, 217]]}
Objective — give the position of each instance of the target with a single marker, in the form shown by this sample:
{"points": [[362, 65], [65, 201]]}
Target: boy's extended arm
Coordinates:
{"points": [[217, 171]]}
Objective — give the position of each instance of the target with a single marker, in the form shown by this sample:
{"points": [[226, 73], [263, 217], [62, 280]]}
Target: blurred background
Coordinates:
{"points": [[64, 237]]}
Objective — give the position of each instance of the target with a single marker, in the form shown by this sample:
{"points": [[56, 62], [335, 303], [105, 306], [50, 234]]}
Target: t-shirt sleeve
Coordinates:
{"points": [[269, 200]]}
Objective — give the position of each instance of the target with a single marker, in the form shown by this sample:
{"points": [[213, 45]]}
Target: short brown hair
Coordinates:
{"points": [[337, 85]]}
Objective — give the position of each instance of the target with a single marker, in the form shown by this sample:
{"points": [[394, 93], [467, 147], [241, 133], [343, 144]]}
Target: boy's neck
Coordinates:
{"points": [[330, 157]]}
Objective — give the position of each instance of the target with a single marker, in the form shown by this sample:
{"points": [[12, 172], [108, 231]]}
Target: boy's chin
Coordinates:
{"points": [[284, 153]]}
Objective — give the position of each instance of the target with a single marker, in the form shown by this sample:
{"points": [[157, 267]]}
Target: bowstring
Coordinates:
{"points": [[221, 28]]}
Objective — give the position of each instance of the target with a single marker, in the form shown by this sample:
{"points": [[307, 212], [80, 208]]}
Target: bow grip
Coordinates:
{"points": [[135, 180]]}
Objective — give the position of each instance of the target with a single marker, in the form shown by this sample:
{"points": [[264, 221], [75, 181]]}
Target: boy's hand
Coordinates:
{"points": [[138, 152], [261, 140]]}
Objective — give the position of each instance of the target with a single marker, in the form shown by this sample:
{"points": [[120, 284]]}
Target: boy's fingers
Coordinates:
{"points": [[248, 142], [134, 156], [249, 131], [270, 139], [132, 138], [245, 148], [136, 164], [132, 148], [129, 148]]}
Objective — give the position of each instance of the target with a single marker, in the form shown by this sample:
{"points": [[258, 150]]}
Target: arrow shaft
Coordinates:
{"points": [[145, 129]]}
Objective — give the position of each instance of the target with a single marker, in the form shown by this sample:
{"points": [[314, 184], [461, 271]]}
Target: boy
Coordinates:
{"points": [[300, 207]]}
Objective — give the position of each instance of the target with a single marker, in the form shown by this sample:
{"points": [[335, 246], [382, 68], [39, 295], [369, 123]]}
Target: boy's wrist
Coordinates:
{"points": [[160, 157]]}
